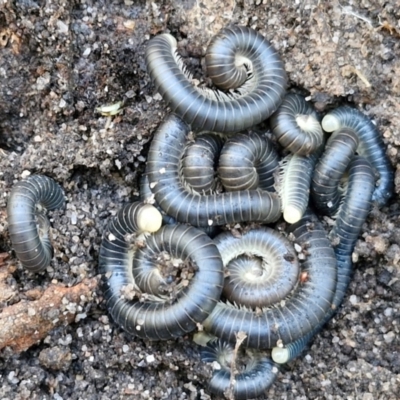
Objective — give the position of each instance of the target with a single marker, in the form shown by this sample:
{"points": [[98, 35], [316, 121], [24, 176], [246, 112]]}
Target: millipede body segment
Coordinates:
{"points": [[296, 125], [330, 170], [198, 162], [296, 314], [163, 162], [252, 380], [157, 315], [27, 223], [248, 161], [370, 146], [352, 213], [237, 58]]}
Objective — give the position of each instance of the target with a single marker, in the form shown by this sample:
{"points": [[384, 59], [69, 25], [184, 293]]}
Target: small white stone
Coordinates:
{"points": [[125, 348], [37, 139], [87, 52], [25, 174], [389, 337], [62, 27], [353, 299], [62, 103], [150, 358]]}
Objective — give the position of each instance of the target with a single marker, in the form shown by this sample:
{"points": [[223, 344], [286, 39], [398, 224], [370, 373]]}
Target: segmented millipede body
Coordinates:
{"points": [[294, 184], [157, 316], [163, 162], [266, 277], [329, 171], [253, 380], [296, 314], [370, 146], [296, 125], [248, 161], [199, 160], [237, 58], [27, 223], [352, 214]]}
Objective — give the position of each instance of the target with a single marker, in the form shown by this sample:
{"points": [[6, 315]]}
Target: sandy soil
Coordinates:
{"points": [[59, 60]]}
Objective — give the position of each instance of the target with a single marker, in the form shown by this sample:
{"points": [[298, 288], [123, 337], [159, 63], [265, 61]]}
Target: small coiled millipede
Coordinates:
{"points": [[296, 125], [27, 222], [248, 161], [257, 376], [198, 162], [155, 316], [163, 162], [237, 56], [370, 146], [295, 315]]}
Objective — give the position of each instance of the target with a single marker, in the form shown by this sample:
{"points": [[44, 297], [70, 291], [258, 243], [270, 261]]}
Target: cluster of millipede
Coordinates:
{"points": [[277, 288]]}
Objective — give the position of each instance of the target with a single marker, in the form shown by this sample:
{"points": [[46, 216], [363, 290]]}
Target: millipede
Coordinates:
{"points": [[237, 58], [198, 163], [123, 265], [370, 146], [27, 223], [248, 161], [297, 313], [296, 125], [351, 215], [330, 169], [163, 170], [257, 375]]}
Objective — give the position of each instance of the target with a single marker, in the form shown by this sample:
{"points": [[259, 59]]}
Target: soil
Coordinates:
{"points": [[60, 60]]}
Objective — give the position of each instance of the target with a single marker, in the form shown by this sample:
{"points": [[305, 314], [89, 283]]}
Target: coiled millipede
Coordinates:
{"points": [[198, 162], [253, 379], [148, 310], [27, 223], [248, 162], [370, 146], [296, 125], [295, 314], [238, 58], [175, 199]]}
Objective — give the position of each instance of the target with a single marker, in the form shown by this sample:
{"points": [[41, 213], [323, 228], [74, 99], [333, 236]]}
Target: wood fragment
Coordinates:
{"points": [[27, 322]]}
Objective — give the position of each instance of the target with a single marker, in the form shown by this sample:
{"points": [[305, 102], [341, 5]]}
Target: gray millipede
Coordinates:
{"points": [[27, 223], [252, 381], [248, 161], [237, 58], [352, 214], [156, 316], [294, 184], [199, 160], [370, 146], [330, 169], [296, 125], [265, 277], [170, 194], [298, 313]]}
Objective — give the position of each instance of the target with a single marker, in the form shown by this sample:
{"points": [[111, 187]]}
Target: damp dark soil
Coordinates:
{"points": [[60, 61]]}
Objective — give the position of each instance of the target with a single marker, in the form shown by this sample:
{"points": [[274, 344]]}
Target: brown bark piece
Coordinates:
{"points": [[27, 322]]}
